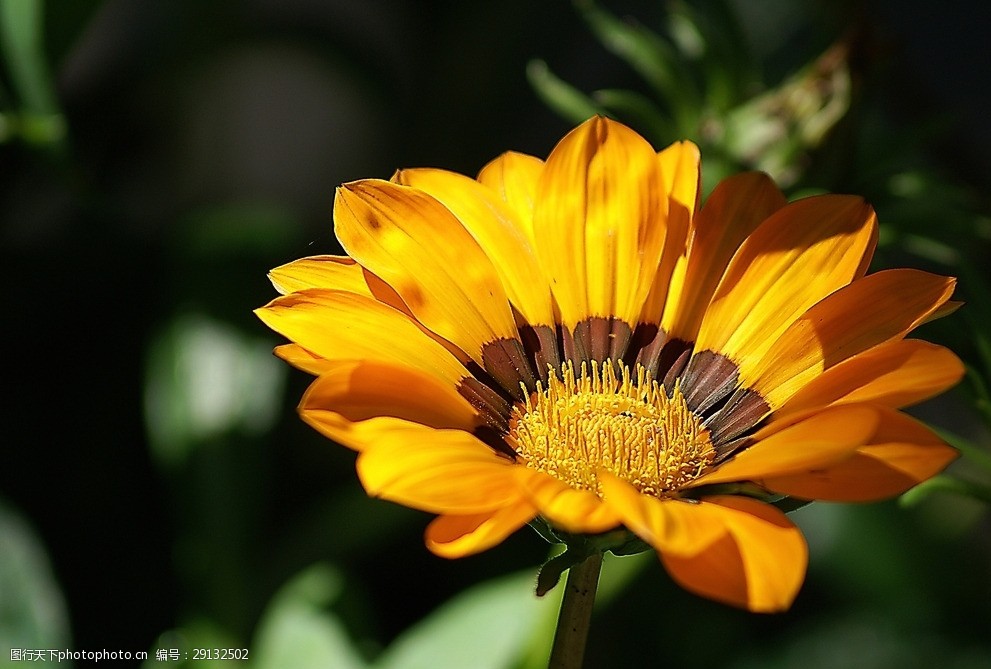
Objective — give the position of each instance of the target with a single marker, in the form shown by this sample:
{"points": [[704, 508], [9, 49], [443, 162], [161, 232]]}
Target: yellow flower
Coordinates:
{"points": [[575, 339]]}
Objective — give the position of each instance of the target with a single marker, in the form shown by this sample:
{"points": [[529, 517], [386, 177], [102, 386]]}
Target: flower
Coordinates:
{"points": [[576, 340]]}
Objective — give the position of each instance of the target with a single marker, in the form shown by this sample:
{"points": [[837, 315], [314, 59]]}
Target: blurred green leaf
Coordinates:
{"points": [[39, 120], [488, 626], [641, 110], [205, 379], [297, 631], [32, 610], [709, 33], [944, 483], [559, 95], [660, 64], [970, 451], [178, 645], [619, 571]]}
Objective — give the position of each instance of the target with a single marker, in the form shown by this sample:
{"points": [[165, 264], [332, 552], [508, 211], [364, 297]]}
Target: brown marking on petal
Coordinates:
{"points": [[674, 358], [574, 345], [541, 346], [645, 347], [507, 362], [495, 439], [492, 407], [708, 379], [372, 222], [598, 336], [743, 412], [731, 447], [620, 334]]}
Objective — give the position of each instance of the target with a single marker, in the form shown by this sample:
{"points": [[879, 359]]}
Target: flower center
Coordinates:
{"points": [[628, 426]]}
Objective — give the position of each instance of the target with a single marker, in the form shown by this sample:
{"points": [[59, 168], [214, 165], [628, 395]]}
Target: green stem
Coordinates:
{"points": [[576, 613]]}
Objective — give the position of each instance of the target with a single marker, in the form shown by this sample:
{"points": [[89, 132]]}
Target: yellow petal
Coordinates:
{"points": [[335, 325], [896, 374], [672, 525], [300, 358], [802, 253], [680, 180], [732, 212], [418, 247], [871, 310], [333, 273], [821, 439], [681, 175], [599, 221], [513, 176], [757, 564], [899, 455], [577, 511], [460, 536], [353, 391], [501, 236], [440, 471]]}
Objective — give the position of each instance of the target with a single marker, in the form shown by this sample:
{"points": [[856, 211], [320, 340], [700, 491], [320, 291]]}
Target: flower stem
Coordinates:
{"points": [[576, 613]]}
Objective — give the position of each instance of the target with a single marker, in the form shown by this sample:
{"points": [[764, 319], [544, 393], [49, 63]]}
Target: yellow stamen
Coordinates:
{"points": [[628, 426]]}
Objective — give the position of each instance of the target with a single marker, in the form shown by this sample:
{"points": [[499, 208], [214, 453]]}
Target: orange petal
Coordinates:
{"points": [[871, 310], [418, 247], [757, 564], [731, 549], [494, 226], [896, 374], [819, 440], [460, 536], [440, 471], [353, 391], [336, 325], [513, 176], [599, 221], [577, 511], [901, 454], [803, 252], [734, 210], [333, 273]]}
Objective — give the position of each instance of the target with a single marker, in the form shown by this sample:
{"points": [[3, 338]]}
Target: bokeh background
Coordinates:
{"points": [[157, 157]]}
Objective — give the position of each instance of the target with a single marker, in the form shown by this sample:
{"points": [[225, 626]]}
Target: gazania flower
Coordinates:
{"points": [[575, 340]]}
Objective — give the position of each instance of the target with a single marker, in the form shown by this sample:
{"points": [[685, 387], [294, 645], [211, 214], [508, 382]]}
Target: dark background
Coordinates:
{"points": [[204, 141]]}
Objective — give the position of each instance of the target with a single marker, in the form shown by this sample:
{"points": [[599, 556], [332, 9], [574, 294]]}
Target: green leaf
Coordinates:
{"points": [[709, 33], [32, 609], [943, 483], [489, 626], [559, 95], [656, 61], [297, 630], [40, 121], [177, 644], [205, 379], [642, 112]]}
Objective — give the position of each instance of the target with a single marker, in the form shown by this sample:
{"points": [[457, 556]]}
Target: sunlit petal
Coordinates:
{"points": [[459, 536], [900, 454]]}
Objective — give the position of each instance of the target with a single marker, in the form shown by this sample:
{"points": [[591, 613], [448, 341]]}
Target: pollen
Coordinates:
{"points": [[612, 419]]}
